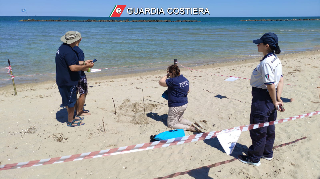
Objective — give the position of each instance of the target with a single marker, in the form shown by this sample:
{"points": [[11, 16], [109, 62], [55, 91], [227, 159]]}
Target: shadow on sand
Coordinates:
{"points": [[156, 117], [62, 115]]}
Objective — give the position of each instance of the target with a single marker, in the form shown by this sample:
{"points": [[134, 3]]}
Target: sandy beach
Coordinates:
{"points": [[33, 126]]}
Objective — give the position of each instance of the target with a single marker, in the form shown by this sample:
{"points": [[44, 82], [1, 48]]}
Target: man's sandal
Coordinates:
{"points": [[74, 123], [80, 118], [83, 113]]}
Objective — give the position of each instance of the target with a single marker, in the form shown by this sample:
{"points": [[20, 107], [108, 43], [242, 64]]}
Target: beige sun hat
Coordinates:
{"points": [[71, 37]]}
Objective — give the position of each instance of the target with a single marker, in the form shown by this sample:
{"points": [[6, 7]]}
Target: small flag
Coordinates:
{"points": [[228, 139], [117, 10], [267, 76]]}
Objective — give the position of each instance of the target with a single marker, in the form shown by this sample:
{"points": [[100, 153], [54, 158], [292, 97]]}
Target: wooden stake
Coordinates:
{"points": [[114, 104], [104, 129], [144, 108]]}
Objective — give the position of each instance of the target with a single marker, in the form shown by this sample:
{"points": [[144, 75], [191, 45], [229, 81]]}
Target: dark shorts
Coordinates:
{"points": [[69, 95], [82, 86]]}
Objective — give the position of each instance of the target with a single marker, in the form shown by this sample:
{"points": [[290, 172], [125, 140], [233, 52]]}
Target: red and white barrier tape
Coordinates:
{"points": [[226, 75], [145, 146], [217, 74], [9, 70], [93, 70], [220, 163]]}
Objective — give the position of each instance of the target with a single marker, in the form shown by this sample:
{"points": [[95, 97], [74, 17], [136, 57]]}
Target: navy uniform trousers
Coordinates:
{"points": [[262, 110]]}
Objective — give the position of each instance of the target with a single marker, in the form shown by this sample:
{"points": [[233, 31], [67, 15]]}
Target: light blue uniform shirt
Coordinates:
{"points": [[269, 71]]}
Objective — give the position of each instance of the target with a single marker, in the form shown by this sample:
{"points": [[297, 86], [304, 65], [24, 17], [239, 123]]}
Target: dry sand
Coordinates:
{"points": [[33, 126]]}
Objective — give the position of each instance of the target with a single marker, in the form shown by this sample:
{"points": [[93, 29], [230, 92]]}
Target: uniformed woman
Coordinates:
{"points": [[267, 83]]}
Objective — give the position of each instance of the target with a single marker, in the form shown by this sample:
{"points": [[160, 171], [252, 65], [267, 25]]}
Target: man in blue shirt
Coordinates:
{"points": [[68, 73]]}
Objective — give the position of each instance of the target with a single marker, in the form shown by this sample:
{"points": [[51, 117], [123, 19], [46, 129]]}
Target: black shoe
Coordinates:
{"points": [[267, 158], [245, 159]]}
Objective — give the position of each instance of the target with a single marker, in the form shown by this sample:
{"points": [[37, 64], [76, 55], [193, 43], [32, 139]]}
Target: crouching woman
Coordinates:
{"points": [[178, 89]]}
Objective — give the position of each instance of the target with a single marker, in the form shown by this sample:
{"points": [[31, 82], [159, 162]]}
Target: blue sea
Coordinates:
{"points": [[130, 47]]}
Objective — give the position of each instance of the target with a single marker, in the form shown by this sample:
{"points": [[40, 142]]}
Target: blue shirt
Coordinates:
{"points": [[66, 57], [178, 88], [80, 55]]}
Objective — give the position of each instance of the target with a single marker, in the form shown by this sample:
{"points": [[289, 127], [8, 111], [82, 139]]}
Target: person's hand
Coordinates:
{"points": [[278, 104], [89, 63], [168, 75]]}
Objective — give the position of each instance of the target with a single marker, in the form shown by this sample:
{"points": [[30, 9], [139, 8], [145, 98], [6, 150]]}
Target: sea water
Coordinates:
{"points": [[129, 47]]}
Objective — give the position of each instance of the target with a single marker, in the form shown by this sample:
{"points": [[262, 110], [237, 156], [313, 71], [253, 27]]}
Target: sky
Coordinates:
{"points": [[217, 8]]}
